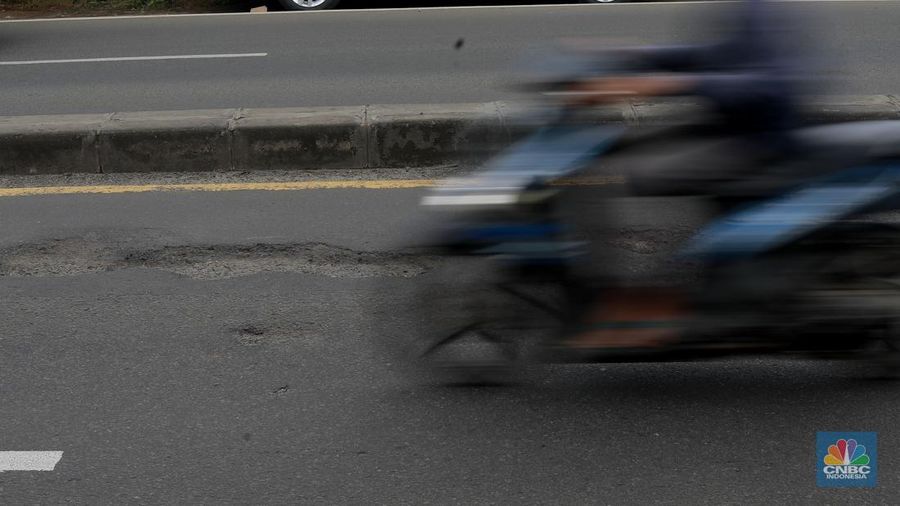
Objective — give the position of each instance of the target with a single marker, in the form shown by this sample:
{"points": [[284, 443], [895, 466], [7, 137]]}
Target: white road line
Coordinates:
{"points": [[29, 461], [137, 58]]}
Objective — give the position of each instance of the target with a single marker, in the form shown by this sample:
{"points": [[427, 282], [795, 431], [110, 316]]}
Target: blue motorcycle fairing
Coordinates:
{"points": [[551, 153], [773, 223]]}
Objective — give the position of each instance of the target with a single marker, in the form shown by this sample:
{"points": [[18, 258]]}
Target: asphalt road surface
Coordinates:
{"points": [[381, 56], [214, 348]]}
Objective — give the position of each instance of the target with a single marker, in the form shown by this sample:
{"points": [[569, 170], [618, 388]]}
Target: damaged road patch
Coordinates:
{"points": [[219, 262], [261, 335], [73, 256]]}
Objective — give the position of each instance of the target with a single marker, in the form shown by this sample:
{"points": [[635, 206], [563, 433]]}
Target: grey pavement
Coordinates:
{"points": [[221, 384], [351, 57]]}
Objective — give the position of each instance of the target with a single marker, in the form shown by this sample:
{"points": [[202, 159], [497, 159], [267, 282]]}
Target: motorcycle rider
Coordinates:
{"points": [[749, 80]]}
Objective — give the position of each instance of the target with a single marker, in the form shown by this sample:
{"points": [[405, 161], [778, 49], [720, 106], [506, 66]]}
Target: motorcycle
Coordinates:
{"points": [[810, 271]]}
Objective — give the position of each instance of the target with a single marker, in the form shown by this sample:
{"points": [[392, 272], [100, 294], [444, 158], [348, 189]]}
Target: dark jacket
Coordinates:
{"points": [[751, 77]]}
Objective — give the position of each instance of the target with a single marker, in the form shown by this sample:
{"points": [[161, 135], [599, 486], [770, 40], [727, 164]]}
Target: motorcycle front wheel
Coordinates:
{"points": [[467, 322]]}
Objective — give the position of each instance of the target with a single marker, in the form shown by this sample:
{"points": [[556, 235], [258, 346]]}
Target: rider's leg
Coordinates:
{"points": [[641, 307]]}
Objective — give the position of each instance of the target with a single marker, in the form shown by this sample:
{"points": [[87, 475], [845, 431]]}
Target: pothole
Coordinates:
{"points": [[280, 391], [265, 335], [216, 262], [95, 253], [58, 257], [251, 336], [67, 257]]}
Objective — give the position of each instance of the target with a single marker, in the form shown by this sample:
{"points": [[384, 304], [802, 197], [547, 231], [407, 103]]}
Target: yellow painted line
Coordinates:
{"points": [[382, 184], [370, 184]]}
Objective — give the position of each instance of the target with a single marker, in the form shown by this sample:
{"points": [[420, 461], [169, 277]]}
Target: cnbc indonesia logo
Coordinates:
{"points": [[846, 460]]}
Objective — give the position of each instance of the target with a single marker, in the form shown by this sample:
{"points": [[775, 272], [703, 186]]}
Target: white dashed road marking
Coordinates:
{"points": [[137, 58], [29, 461]]}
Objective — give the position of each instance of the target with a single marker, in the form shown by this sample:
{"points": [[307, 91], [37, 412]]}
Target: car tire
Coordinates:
{"points": [[309, 5]]}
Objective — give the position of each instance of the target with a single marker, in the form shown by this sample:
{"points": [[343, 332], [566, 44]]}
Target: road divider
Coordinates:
{"points": [[377, 136]]}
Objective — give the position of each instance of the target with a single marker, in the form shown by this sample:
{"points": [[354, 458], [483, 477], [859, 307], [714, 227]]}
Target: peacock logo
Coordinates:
{"points": [[846, 452], [847, 459]]}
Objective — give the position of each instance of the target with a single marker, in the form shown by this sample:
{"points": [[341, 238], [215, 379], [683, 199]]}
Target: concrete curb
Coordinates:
{"points": [[389, 136]]}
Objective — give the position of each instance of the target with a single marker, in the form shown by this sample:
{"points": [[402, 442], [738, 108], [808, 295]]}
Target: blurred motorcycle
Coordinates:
{"points": [[809, 270]]}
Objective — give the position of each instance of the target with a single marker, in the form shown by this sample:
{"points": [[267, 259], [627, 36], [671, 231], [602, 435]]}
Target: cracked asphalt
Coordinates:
{"points": [[217, 348]]}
